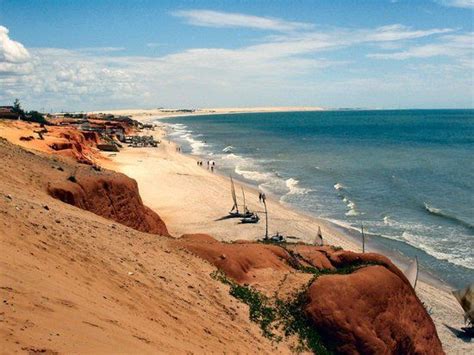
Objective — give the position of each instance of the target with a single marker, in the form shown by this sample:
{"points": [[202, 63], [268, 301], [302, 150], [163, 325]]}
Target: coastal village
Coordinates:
{"points": [[80, 135], [99, 251]]}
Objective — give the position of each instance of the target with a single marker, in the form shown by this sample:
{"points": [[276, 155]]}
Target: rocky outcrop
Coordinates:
{"points": [[75, 144], [110, 195], [371, 311], [358, 303], [238, 260]]}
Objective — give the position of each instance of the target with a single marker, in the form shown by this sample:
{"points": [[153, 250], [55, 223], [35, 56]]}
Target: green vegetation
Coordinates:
{"points": [[278, 316], [287, 317], [31, 116], [17, 108], [35, 116]]}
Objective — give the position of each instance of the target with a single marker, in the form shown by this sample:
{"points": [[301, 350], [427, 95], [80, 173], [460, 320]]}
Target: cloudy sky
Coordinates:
{"points": [[88, 55]]}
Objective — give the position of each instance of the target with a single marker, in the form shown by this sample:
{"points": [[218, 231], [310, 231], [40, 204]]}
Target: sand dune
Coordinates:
{"points": [[74, 282]]}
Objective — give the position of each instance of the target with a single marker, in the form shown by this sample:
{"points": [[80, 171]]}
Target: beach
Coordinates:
{"points": [[150, 115], [192, 199]]}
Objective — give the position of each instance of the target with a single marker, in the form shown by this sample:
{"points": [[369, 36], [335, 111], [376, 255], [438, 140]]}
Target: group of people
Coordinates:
{"points": [[178, 149], [210, 164], [261, 197]]}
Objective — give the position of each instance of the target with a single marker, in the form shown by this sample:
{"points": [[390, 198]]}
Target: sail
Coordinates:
{"points": [[411, 272], [234, 197], [319, 237], [465, 298], [243, 195]]}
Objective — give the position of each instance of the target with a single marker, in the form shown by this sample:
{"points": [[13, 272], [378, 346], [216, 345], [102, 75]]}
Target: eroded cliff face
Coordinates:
{"points": [[72, 282], [356, 303], [371, 311], [72, 143], [110, 195]]}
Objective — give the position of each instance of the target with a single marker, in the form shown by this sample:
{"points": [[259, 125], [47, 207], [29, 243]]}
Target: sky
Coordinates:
{"points": [[58, 55]]}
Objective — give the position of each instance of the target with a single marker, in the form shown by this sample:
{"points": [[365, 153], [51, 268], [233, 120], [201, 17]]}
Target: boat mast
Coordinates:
{"points": [[266, 215], [243, 195], [320, 236], [363, 237], [416, 278], [234, 197]]}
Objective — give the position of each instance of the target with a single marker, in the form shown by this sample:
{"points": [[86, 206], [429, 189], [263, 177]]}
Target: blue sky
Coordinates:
{"points": [[84, 55]]}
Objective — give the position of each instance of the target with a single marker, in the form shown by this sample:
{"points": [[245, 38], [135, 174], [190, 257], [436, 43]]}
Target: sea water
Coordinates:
{"points": [[407, 176]]}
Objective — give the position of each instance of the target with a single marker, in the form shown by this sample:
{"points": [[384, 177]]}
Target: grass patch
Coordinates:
{"points": [[278, 316]]}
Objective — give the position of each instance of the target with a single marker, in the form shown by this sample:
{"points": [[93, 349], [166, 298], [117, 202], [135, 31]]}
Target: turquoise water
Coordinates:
{"points": [[406, 175]]}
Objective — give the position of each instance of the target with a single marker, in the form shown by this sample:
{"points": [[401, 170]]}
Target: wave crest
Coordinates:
{"points": [[440, 213], [294, 189]]}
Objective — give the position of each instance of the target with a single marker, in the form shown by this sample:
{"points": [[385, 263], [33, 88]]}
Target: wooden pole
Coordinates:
{"points": [[266, 216]]}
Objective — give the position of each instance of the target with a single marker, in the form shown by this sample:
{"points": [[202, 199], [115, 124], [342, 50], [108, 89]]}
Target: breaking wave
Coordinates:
{"points": [[294, 189], [440, 213], [352, 207], [183, 134]]}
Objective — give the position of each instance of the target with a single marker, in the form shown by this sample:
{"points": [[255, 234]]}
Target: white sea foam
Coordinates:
{"points": [[182, 132], [352, 207], [294, 189], [339, 186], [432, 209], [256, 176], [432, 249], [228, 149]]}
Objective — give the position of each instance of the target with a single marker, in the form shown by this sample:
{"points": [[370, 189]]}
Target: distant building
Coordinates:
{"points": [[8, 112]]}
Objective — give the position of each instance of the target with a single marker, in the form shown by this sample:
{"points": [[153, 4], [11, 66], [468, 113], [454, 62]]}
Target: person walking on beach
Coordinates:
{"points": [[212, 169]]}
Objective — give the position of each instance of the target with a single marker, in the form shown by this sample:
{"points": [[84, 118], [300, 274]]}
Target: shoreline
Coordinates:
{"points": [[337, 227], [150, 115], [373, 243], [191, 199]]}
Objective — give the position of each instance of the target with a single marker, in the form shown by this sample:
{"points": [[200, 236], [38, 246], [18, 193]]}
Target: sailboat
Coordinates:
{"points": [[411, 273], [247, 213], [234, 212], [319, 237], [235, 208], [465, 297], [254, 218]]}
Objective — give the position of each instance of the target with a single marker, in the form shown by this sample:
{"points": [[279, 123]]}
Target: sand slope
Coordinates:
{"points": [[73, 282], [191, 200]]}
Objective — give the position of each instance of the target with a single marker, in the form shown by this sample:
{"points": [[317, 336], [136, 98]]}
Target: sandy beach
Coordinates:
{"points": [[192, 199], [150, 115]]}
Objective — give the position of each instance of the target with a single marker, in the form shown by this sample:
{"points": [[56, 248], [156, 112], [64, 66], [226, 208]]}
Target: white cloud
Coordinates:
{"points": [[10, 50], [399, 32], [13, 55], [211, 18], [288, 68], [460, 47], [466, 4]]}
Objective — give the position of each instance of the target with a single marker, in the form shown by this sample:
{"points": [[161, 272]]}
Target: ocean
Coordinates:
{"points": [[407, 176]]}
